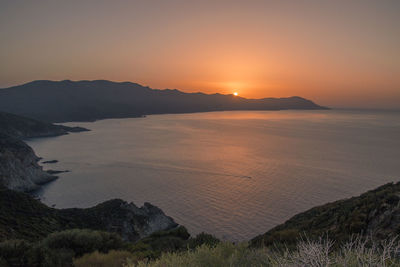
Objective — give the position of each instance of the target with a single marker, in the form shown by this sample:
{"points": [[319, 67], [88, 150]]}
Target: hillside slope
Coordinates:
{"points": [[61, 101], [376, 213], [22, 217]]}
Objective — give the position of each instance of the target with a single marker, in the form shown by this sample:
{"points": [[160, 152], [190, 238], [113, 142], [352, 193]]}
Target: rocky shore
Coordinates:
{"points": [[19, 167], [23, 217]]}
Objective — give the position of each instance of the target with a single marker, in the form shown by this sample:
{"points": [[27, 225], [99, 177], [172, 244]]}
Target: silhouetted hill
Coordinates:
{"points": [[61, 101], [23, 127]]}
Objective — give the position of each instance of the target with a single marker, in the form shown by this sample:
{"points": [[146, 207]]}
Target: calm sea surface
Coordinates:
{"points": [[232, 174]]}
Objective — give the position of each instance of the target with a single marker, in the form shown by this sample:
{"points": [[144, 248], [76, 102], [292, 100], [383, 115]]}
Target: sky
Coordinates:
{"points": [[339, 53]]}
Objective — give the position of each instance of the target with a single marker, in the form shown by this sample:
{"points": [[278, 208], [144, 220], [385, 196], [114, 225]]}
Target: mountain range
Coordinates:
{"points": [[62, 101]]}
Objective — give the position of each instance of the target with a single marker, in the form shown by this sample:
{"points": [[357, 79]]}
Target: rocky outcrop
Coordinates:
{"points": [[19, 168], [22, 217], [130, 221]]}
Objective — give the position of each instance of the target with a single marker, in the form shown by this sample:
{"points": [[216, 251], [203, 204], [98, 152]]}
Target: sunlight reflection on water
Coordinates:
{"points": [[233, 174]]}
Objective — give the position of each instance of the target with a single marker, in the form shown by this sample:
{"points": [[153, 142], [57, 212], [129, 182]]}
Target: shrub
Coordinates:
{"points": [[13, 253], [180, 232], [83, 241], [203, 239], [163, 241], [58, 249], [358, 251], [96, 259], [223, 254]]}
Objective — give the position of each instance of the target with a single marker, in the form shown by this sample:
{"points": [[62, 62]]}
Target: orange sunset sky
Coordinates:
{"points": [[336, 53]]}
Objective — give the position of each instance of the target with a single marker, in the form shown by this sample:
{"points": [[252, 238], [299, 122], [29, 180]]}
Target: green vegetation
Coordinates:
{"points": [[36, 235], [114, 258], [91, 247], [374, 212], [86, 248], [32, 234], [356, 252], [58, 249], [22, 217], [169, 241]]}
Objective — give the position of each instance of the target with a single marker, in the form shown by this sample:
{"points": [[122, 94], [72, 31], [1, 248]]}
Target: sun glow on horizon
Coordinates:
{"points": [[258, 48]]}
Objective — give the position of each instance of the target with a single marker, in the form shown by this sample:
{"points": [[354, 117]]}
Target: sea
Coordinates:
{"points": [[233, 174]]}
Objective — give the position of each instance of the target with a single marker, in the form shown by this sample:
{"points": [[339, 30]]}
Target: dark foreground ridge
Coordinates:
{"points": [[22, 217], [32, 234], [61, 101], [375, 213]]}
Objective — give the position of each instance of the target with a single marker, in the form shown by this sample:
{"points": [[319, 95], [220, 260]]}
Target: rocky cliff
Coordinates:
{"points": [[116, 215], [22, 217], [19, 168]]}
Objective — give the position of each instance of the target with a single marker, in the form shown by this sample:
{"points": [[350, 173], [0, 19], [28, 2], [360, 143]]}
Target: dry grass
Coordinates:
{"points": [[113, 258], [360, 251]]}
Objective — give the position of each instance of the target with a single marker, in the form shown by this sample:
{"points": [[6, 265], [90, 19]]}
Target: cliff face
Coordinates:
{"points": [[22, 217], [19, 169], [375, 213], [130, 221]]}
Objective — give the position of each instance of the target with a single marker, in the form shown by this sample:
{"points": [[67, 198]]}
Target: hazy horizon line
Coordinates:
{"points": [[335, 107]]}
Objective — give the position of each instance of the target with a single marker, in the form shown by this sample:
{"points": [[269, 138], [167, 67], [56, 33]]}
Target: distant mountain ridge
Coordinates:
{"points": [[62, 101]]}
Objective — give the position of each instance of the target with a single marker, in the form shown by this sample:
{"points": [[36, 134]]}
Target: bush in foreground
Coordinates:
{"points": [[175, 240], [111, 259], [356, 252], [58, 249]]}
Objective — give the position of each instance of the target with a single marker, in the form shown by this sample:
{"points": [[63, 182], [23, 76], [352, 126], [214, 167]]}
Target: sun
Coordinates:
{"points": [[235, 93]]}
